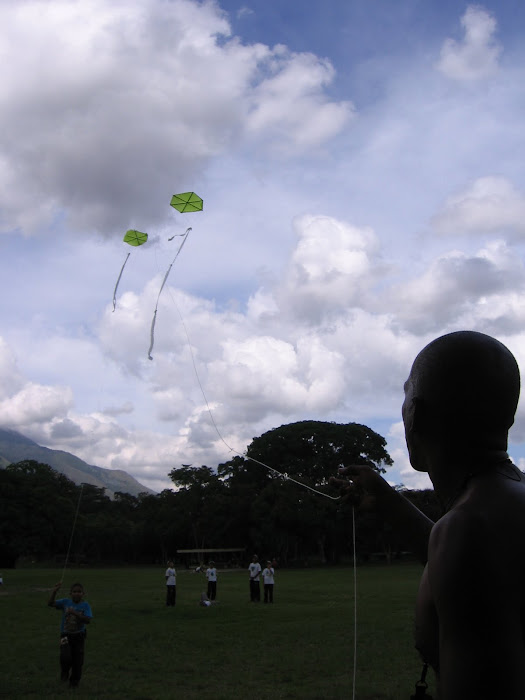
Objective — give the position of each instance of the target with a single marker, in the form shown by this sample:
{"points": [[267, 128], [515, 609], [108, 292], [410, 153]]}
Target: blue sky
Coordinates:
{"points": [[361, 166]]}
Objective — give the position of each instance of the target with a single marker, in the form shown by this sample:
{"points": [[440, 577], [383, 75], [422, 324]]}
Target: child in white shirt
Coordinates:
{"points": [[268, 574], [171, 584], [211, 575]]}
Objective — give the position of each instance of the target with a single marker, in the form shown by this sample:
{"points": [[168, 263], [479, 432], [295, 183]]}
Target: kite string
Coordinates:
{"points": [[72, 532], [287, 477]]}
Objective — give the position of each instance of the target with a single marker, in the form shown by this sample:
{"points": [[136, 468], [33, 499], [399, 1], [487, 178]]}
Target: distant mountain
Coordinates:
{"points": [[15, 447]]}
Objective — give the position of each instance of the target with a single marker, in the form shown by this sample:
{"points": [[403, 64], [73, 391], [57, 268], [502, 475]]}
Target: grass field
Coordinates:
{"points": [[299, 647]]}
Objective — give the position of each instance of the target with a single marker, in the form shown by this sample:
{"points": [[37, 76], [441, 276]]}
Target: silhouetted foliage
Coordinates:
{"points": [[240, 504]]}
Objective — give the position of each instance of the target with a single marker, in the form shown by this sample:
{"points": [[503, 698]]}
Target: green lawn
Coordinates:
{"points": [[299, 647]]}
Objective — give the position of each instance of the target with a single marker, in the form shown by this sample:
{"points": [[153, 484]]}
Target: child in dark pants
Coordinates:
{"points": [[76, 614], [268, 574], [211, 575], [171, 584]]}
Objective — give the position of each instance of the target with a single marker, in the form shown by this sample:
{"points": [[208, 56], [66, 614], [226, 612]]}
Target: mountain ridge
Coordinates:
{"points": [[15, 447]]}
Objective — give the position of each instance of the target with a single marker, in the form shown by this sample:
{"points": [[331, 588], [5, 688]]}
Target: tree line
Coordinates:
{"points": [[240, 504]]}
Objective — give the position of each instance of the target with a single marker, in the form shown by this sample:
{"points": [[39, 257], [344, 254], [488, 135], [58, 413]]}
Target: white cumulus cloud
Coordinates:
{"points": [[456, 286], [35, 403], [490, 205], [332, 267], [108, 107], [476, 55]]}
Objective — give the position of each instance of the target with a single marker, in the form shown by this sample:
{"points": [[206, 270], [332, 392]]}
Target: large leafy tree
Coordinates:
{"points": [[314, 450], [276, 514]]}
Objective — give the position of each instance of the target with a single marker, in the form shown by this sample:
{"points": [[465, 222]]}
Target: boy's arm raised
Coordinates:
{"points": [[51, 601]]}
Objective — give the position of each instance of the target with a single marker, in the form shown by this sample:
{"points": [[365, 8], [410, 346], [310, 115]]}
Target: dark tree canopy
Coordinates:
{"points": [[314, 450], [186, 477], [281, 512]]}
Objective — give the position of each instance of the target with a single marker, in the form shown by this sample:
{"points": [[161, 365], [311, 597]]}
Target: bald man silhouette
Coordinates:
{"points": [[460, 400]]}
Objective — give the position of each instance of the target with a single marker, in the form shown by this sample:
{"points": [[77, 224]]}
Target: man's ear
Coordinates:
{"points": [[417, 415]]}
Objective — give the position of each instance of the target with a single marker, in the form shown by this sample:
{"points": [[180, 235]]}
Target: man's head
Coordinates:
{"points": [[462, 391]]}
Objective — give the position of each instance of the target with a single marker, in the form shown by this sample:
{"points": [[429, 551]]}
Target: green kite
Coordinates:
{"points": [[135, 237], [186, 202]]}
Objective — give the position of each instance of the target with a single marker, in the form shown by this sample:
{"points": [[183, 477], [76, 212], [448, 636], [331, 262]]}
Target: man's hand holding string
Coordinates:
{"points": [[366, 490]]}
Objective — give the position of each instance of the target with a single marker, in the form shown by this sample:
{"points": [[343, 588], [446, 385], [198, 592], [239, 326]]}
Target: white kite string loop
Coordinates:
{"points": [[72, 532], [289, 478]]}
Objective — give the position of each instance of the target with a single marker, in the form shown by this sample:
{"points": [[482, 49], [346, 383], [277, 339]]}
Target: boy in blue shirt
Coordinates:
{"points": [[76, 614]]}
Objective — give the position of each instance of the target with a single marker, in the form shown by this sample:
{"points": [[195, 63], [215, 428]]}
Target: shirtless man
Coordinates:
{"points": [[460, 401]]}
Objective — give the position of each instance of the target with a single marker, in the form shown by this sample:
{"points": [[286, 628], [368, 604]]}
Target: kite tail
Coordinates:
{"points": [[186, 234], [118, 281], [152, 331], [152, 335]]}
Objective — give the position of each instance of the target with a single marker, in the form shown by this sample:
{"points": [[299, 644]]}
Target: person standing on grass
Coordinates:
{"points": [[76, 614], [268, 581], [211, 575], [171, 584], [254, 571], [460, 401]]}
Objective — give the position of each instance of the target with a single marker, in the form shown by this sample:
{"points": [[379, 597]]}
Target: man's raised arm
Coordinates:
{"points": [[368, 491]]}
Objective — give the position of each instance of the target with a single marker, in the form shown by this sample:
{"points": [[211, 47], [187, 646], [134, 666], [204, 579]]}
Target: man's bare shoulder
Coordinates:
{"points": [[457, 532], [484, 532]]}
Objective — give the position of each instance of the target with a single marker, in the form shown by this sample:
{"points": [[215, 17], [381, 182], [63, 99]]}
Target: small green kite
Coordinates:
{"points": [[135, 237], [186, 202]]}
